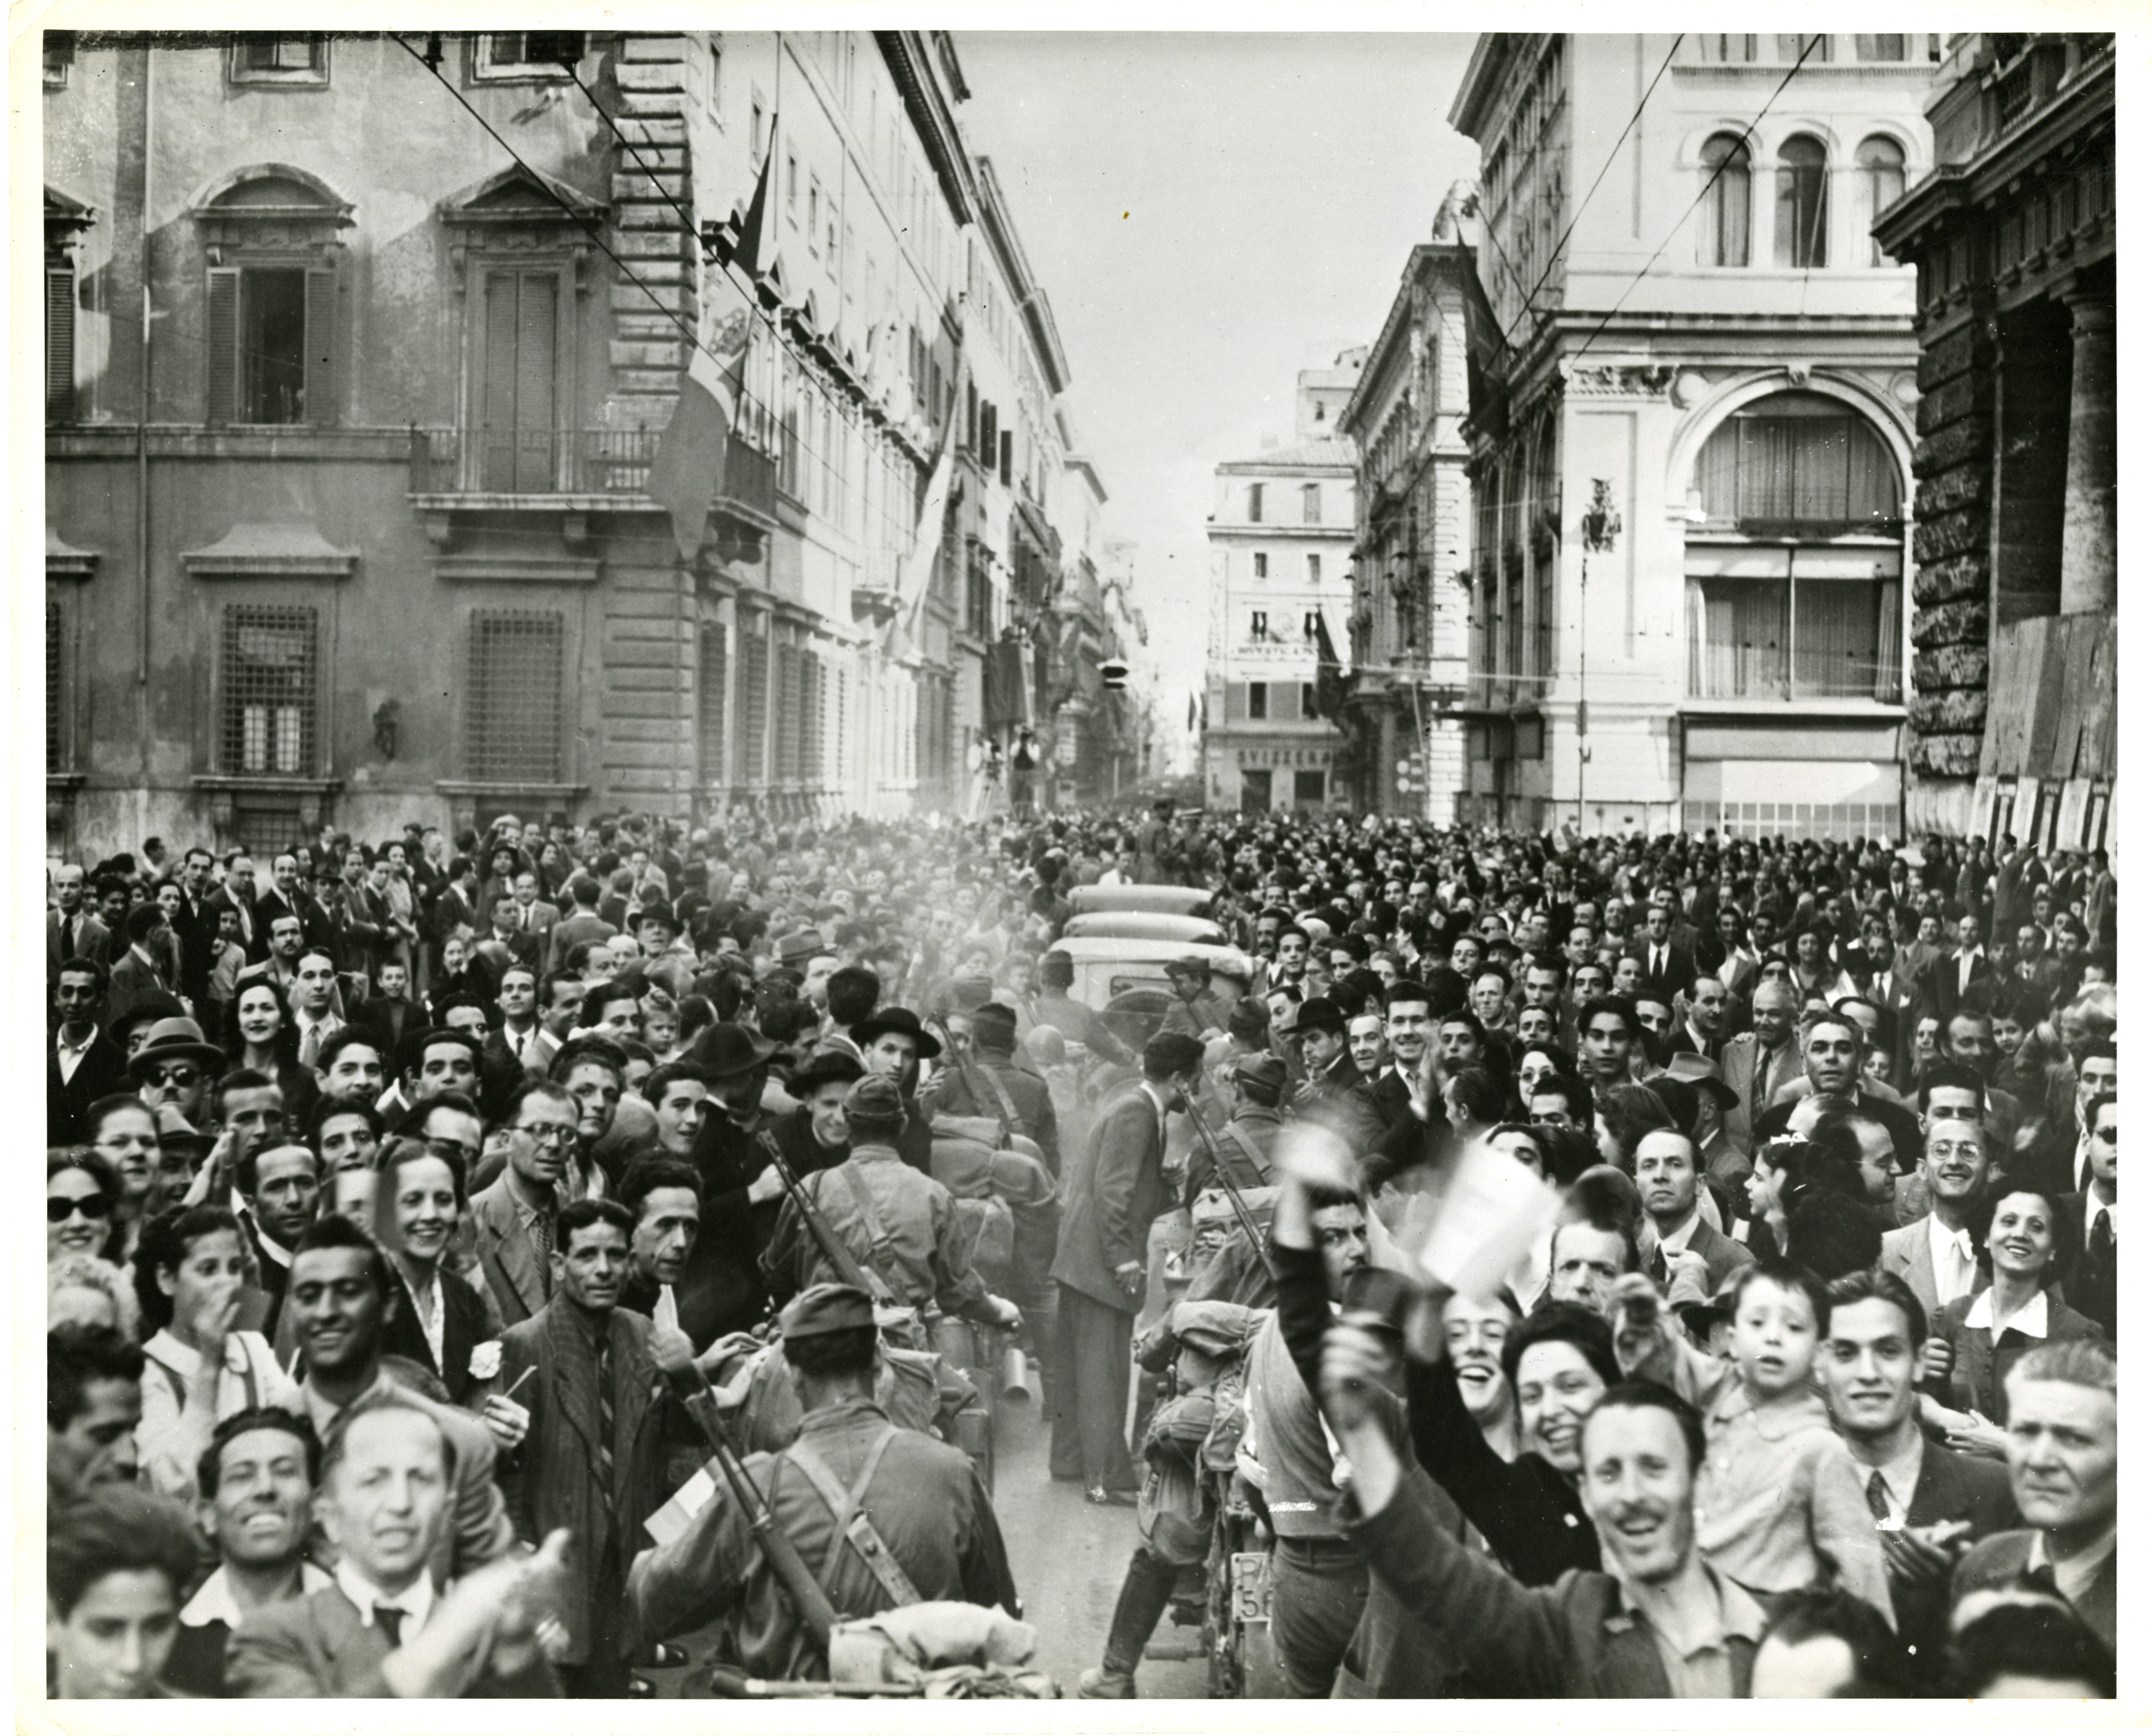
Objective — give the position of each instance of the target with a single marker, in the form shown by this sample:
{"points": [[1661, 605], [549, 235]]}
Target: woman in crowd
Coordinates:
{"points": [[440, 1316], [83, 1197]]}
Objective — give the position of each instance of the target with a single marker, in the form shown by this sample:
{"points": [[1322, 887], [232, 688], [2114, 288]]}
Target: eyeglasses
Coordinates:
{"points": [[181, 1076], [549, 1133], [60, 1207]]}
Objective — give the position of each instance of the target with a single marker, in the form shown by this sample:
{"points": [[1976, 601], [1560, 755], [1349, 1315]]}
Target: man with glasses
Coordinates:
{"points": [[1934, 1254], [513, 1219], [174, 1067]]}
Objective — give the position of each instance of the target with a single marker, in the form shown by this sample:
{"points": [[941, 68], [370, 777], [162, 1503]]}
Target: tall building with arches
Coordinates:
{"points": [[1692, 431]]}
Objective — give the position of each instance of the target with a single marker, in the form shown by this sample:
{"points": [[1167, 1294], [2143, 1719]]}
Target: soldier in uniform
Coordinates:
{"points": [[899, 1224], [988, 1082], [1257, 1082], [886, 1515]]}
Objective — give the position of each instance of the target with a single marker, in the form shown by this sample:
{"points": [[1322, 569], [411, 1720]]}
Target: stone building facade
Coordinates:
{"points": [[2012, 713]]}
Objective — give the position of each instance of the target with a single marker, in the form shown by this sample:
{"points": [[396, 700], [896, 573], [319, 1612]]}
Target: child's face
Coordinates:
{"points": [[1774, 1338]]}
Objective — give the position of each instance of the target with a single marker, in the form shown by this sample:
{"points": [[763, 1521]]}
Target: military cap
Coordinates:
{"points": [[826, 1308]]}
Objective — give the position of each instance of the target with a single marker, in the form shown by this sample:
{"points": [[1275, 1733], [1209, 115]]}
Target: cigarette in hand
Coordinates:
{"points": [[519, 1381]]}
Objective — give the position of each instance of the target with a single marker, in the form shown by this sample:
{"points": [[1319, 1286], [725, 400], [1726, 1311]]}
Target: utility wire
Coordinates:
{"points": [[1711, 180], [1576, 215]]}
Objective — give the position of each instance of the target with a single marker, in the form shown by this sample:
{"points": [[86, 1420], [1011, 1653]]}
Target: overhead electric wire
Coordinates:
{"points": [[1702, 192], [1570, 228]]}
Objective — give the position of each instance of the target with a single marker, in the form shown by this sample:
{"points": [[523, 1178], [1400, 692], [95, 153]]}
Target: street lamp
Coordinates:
{"points": [[1600, 525]]}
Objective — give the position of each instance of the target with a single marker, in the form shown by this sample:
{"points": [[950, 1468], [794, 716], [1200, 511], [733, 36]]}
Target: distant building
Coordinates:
{"points": [[1692, 334], [1409, 636], [2014, 625], [1281, 533]]}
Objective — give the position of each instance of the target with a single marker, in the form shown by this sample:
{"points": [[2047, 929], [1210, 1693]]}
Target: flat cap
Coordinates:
{"points": [[875, 1098], [826, 1308], [1263, 1068]]}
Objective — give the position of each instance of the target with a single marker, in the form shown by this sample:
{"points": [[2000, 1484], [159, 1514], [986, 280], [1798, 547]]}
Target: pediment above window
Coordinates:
{"points": [[272, 208], [65, 219], [521, 197]]}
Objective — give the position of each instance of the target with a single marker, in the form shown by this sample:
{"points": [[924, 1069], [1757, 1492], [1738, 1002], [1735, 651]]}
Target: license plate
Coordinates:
{"points": [[1251, 1585]]}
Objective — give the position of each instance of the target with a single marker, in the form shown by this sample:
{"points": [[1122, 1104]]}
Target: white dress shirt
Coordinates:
{"points": [[415, 1600], [1951, 1253]]}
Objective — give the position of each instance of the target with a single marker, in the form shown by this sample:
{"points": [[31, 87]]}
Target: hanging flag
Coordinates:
{"points": [[927, 542], [1329, 672], [1484, 344], [690, 460]]}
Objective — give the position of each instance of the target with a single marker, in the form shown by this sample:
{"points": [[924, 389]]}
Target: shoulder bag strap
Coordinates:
{"points": [[880, 1261], [1251, 1150], [853, 1525]]}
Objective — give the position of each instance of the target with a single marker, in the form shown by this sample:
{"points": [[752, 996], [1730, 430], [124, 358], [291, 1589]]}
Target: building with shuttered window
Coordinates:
{"points": [[355, 528], [1692, 431], [1281, 533]]}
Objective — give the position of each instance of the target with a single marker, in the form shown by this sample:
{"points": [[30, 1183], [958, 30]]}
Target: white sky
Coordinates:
{"points": [[1272, 186]]}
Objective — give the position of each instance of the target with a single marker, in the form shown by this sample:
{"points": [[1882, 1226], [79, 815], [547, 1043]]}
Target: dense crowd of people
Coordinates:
{"points": [[487, 1266]]}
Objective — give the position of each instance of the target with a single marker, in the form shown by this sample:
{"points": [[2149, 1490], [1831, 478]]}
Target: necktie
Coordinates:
{"points": [[310, 1046], [389, 1619], [604, 1415], [1879, 1497], [1658, 960], [67, 938], [2102, 1235], [1659, 1267]]}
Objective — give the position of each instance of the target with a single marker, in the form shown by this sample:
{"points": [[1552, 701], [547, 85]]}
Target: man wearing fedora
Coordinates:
{"points": [[894, 1042], [175, 1065], [815, 1136], [723, 1290], [1725, 1165]]}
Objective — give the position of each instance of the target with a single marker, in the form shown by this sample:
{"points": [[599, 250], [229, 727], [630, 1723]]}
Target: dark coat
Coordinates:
{"points": [[1980, 1363], [93, 940], [2090, 1286], [1570, 1640], [315, 1648], [102, 1070], [465, 1322], [1999, 1562], [1952, 1486], [555, 1478], [1110, 1193], [510, 1261]]}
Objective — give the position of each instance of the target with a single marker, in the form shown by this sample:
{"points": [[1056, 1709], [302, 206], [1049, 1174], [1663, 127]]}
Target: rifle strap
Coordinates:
{"points": [[881, 1260], [1012, 1122], [853, 1525], [1251, 1151]]}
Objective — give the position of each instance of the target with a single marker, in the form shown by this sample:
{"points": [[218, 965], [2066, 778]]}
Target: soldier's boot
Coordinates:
{"points": [[1144, 1593]]}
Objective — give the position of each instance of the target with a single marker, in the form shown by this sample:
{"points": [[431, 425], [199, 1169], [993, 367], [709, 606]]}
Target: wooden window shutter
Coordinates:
{"points": [[1008, 452], [59, 345], [223, 344], [1236, 702], [320, 346]]}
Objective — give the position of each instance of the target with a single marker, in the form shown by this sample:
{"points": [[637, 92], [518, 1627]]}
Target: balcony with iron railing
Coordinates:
{"points": [[577, 469]]}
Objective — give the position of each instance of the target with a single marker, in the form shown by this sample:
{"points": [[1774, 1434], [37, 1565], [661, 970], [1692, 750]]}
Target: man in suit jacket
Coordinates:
{"points": [[1934, 1253], [513, 1218], [1668, 1179], [1111, 1192], [384, 1626], [582, 925], [1758, 1062], [1962, 976], [237, 893], [1669, 967], [505, 937], [72, 929], [593, 1459], [2064, 1465], [534, 914], [2088, 1230], [81, 1063], [1869, 1366], [289, 897], [140, 973]]}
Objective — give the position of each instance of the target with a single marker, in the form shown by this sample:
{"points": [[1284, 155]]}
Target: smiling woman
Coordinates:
{"points": [[441, 1316]]}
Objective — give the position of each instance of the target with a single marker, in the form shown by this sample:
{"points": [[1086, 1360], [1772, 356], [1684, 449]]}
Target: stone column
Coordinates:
{"points": [[2088, 536]]}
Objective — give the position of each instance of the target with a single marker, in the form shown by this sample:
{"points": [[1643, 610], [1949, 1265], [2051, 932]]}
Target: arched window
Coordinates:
{"points": [[1879, 182], [1793, 555], [1722, 236], [1803, 208]]}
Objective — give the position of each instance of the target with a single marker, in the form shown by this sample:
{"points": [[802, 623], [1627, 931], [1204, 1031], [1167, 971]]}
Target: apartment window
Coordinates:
{"points": [[1879, 47], [1798, 464], [268, 681], [814, 214], [1722, 236], [1798, 236], [717, 72], [1878, 182], [512, 56], [1262, 565], [1255, 502], [1790, 46], [758, 141], [60, 343], [1309, 788], [280, 60], [1259, 624], [710, 706], [754, 690], [1311, 503], [512, 706], [54, 758], [518, 379], [1315, 569], [271, 339], [60, 56], [1307, 699], [1729, 49], [1008, 452], [792, 186], [1259, 699]]}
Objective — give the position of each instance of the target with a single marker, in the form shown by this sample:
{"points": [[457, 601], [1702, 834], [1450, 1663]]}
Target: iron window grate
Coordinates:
{"points": [[269, 690], [265, 829], [513, 723], [753, 705], [52, 686]]}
